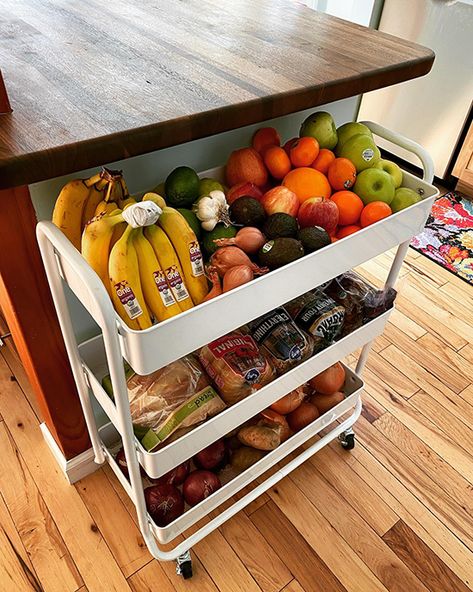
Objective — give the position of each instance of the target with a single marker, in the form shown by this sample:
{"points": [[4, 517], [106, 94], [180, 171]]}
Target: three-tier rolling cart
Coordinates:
{"points": [[149, 350]]}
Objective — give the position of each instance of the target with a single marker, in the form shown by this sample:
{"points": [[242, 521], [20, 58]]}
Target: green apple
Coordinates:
{"points": [[347, 130], [362, 151], [374, 185], [320, 126], [403, 198], [206, 185], [392, 169]]}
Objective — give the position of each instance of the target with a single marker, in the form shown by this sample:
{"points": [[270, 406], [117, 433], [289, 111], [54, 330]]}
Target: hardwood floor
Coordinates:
{"points": [[395, 514]]}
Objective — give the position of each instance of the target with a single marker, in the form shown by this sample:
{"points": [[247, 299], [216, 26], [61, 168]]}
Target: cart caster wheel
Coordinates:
{"points": [[347, 441], [186, 570], [184, 565]]}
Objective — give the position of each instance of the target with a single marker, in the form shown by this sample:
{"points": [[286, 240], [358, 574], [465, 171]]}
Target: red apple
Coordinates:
{"points": [[245, 189], [318, 211], [280, 199]]}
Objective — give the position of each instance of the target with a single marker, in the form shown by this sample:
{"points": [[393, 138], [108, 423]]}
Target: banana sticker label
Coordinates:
{"points": [[163, 288], [128, 299], [177, 283], [197, 262]]}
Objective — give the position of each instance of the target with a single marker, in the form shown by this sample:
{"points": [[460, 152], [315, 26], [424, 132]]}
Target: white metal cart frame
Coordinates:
{"points": [[145, 352]]}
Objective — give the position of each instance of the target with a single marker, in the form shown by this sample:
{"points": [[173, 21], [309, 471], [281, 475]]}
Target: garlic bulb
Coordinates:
{"points": [[212, 209]]}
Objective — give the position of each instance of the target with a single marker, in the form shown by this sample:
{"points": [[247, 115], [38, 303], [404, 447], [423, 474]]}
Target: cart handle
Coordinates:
{"points": [[403, 142]]}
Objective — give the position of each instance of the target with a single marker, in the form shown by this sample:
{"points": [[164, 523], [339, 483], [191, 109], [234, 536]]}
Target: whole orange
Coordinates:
{"points": [[341, 174], [307, 182], [245, 164], [344, 231], [374, 211], [264, 137], [277, 162], [304, 151], [323, 160], [349, 205]]}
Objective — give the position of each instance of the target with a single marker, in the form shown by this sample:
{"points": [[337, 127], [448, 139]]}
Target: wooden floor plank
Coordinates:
{"points": [[350, 487], [123, 536], [294, 586], [269, 571], [334, 551], [380, 365], [81, 536], [421, 560], [385, 564], [293, 549], [406, 325], [45, 546]]}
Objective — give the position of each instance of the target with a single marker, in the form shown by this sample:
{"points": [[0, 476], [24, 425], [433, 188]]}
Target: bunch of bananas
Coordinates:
{"points": [[151, 273]]}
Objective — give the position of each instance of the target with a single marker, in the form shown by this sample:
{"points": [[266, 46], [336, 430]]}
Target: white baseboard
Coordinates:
{"points": [[75, 468]]}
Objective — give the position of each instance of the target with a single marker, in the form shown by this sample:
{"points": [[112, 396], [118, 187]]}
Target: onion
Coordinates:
{"points": [[227, 257], [330, 380], [216, 289], [289, 402], [176, 476], [301, 417], [199, 485], [272, 418], [214, 457], [164, 503], [325, 402], [237, 276], [248, 239], [120, 459]]}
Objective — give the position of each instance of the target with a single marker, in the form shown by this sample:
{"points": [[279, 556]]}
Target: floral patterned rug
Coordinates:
{"points": [[447, 238]]}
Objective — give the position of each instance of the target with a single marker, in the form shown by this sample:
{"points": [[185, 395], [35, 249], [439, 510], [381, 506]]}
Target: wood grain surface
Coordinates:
{"points": [[394, 514], [92, 82]]}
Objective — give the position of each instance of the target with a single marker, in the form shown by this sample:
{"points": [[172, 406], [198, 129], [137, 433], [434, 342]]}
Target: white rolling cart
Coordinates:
{"points": [[149, 350]]}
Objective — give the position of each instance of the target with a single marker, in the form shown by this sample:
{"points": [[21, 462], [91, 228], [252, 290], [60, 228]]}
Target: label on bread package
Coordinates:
{"points": [[319, 315], [279, 334], [241, 354]]}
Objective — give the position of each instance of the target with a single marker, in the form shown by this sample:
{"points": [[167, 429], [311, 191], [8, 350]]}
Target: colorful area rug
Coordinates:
{"points": [[447, 238]]}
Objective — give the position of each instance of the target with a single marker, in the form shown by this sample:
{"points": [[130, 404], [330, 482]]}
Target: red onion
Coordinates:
{"points": [[227, 257], [248, 239], [214, 457], [176, 476], [237, 276], [164, 503], [199, 485]]}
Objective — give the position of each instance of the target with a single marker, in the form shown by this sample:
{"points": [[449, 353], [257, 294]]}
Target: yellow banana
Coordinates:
{"points": [[96, 195], [156, 198], [96, 243], [187, 247], [169, 262], [124, 203], [127, 294], [156, 290], [105, 207], [67, 214]]}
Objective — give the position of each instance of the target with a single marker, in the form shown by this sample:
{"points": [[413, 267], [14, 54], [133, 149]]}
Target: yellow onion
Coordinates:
{"points": [[248, 239], [237, 276]]}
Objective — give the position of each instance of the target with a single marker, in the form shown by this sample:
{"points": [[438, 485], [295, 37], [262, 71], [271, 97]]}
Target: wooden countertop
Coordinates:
{"points": [[92, 82]]}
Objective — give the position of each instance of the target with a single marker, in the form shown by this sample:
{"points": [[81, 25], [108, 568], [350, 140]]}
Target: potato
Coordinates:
{"points": [[259, 437], [244, 457]]}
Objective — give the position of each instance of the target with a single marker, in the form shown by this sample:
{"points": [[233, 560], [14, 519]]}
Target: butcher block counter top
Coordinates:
{"points": [[93, 82]]}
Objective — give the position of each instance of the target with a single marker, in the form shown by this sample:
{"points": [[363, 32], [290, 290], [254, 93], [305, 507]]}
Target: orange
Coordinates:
{"points": [[304, 151], [344, 231], [349, 207], [289, 144], [341, 174], [323, 160], [265, 137], [277, 162], [307, 182], [374, 211]]}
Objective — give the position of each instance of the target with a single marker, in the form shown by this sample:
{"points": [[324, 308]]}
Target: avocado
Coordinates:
{"points": [[313, 238], [247, 211], [220, 231], [280, 251], [280, 225]]}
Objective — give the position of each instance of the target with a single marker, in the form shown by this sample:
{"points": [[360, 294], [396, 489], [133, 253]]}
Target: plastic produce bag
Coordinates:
{"points": [[362, 301], [172, 398], [236, 365], [319, 315], [285, 344]]}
